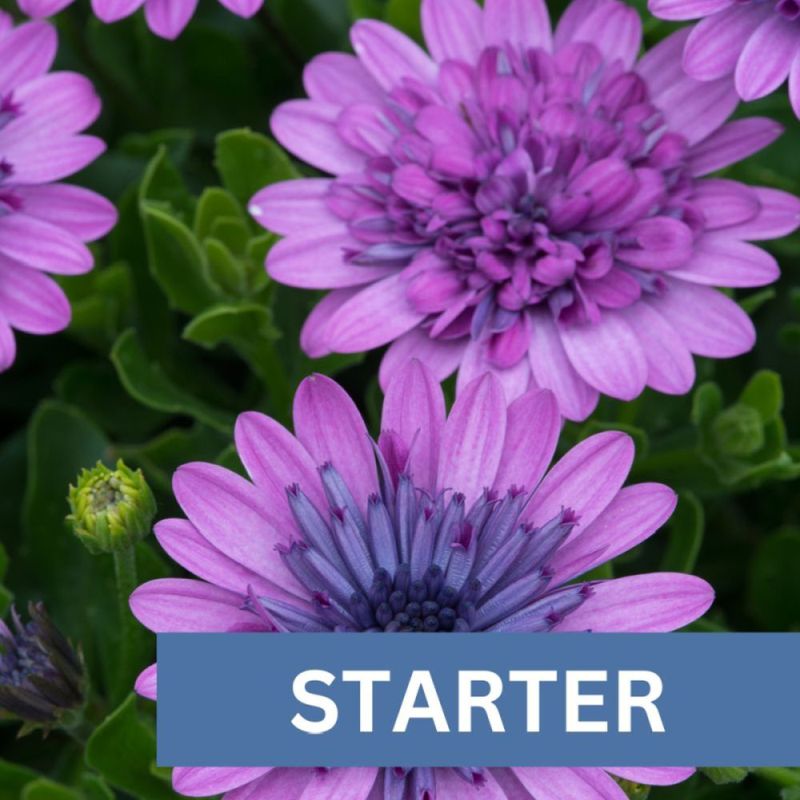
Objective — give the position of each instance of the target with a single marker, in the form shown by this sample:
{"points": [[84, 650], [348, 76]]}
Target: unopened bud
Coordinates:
{"points": [[739, 431], [111, 510]]}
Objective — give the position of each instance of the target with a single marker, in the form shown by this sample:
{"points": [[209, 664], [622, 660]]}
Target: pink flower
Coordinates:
{"points": [[166, 18], [522, 202], [43, 224], [446, 523], [756, 41]]}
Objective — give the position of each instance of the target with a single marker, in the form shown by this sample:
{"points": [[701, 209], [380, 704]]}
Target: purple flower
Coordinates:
{"points": [[166, 18], [43, 224], [446, 523], [523, 203], [758, 41]]}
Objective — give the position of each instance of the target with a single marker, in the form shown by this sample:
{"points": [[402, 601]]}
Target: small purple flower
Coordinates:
{"points": [[446, 523], [522, 202], [43, 224], [758, 41], [166, 18]]}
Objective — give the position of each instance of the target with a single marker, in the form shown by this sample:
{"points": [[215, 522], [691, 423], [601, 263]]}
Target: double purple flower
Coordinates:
{"points": [[527, 203], [446, 523]]}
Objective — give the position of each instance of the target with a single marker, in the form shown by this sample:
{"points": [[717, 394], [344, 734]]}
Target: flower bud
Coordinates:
{"points": [[42, 678], [111, 510], [739, 431]]}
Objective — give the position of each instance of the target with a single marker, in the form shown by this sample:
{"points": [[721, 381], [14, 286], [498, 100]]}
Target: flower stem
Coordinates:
{"points": [[125, 572]]}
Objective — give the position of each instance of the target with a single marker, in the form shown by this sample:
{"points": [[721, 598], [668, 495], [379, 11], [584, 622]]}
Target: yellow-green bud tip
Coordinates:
{"points": [[111, 510]]}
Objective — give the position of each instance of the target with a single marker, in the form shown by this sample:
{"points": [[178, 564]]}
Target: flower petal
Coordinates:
{"points": [[531, 436], [517, 22], [440, 356], [414, 409], [733, 142], [585, 480], [472, 443], [292, 206], [353, 783], [208, 781], [656, 603], [331, 428], [686, 9], [166, 18], [313, 335], [147, 683], [26, 52], [30, 301], [634, 515], [558, 783], [779, 216], [453, 29], [720, 260], [653, 776], [340, 79], [767, 57]]}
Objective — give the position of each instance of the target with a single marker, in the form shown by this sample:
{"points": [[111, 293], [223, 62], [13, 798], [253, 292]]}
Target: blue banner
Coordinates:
{"points": [[330, 700]]}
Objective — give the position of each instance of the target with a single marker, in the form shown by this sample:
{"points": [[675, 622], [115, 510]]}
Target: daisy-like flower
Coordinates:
{"points": [[43, 224], [522, 202], [446, 523], [758, 41], [166, 18]]}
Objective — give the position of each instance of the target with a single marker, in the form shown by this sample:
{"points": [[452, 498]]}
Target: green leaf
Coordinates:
{"points": [[95, 788], [213, 204], [687, 527], [147, 382], [774, 588], [177, 261], [247, 162], [240, 326], [45, 789], [724, 775], [122, 749], [13, 778], [790, 793], [163, 184], [764, 393]]}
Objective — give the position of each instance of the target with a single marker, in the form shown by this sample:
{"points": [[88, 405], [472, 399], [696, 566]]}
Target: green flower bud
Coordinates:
{"points": [[739, 431], [111, 510]]}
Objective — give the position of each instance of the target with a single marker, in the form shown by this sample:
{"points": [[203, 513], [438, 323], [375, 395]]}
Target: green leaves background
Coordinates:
{"points": [[179, 329]]}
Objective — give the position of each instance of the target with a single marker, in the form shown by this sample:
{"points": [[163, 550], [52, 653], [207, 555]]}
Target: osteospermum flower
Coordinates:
{"points": [[444, 524], [166, 18], [758, 41], [522, 202], [43, 224]]}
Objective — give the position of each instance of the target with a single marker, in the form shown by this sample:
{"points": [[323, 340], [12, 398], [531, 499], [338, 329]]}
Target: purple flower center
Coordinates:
{"points": [[420, 564], [529, 180]]}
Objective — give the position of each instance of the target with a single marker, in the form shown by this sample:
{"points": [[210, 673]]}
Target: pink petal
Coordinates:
{"points": [[660, 65], [656, 603], [166, 18], [558, 783], [472, 443], [86, 215], [453, 29], [450, 786], [532, 433], [208, 781], [313, 337], [243, 8], [615, 29], [670, 367], [353, 783], [30, 301], [147, 683], [720, 260], [517, 22], [340, 79], [441, 357], [733, 142], [373, 317], [26, 52], [553, 370], [275, 460], [767, 57], [388, 55], [585, 480], [715, 44], [477, 361], [293, 206], [317, 261], [233, 515], [115, 10], [40, 9], [8, 346], [634, 515], [779, 216], [710, 323], [43, 246], [180, 605], [286, 784], [607, 355], [687, 9], [653, 776], [307, 128], [794, 85], [188, 547], [414, 409], [36, 163], [725, 203], [331, 428]]}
